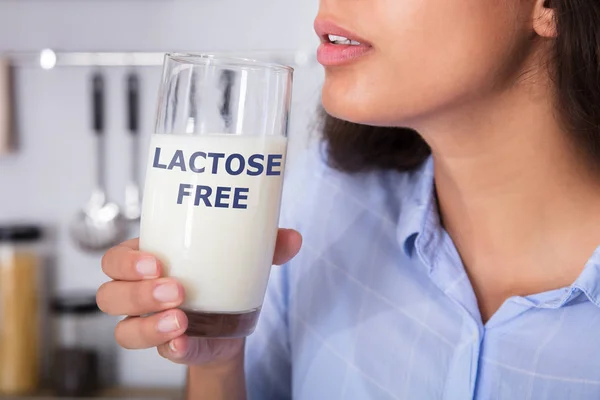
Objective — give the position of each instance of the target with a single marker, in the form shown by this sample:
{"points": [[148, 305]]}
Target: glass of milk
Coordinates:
{"points": [[213, 185]]}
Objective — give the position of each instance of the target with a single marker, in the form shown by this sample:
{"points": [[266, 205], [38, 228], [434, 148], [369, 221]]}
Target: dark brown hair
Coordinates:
{"points": [[575, 69]]}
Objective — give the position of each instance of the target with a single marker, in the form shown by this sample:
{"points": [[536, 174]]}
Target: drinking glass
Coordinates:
{"points": [[213, 185]]}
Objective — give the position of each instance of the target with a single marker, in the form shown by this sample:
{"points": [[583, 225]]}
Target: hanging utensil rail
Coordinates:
{"points": [[49, 59]]}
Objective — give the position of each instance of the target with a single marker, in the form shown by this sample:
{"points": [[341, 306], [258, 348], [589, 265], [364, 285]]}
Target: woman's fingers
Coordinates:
{"points": [[177, 349], [125, 263], [137, 291], [151, 331], [288, 245], [198, 351], [138, 298]]}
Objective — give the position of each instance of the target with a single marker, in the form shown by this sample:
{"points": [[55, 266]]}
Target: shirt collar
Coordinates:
{"points": [[417, 201], [588, 281], [419, 216], [585, 287]]}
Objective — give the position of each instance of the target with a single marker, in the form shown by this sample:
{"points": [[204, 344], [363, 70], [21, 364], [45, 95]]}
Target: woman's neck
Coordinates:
{"points": [[514, 195]]}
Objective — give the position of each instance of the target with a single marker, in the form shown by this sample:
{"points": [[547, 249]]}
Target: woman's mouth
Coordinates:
{"points": [[338, 46], [336, 39]]}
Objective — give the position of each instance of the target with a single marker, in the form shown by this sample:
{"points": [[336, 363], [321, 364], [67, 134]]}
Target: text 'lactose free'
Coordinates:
{"points": [[233, 164]]}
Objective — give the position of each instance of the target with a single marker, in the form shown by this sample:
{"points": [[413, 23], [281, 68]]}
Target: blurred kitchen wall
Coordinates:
{"points": [[50, 177]]}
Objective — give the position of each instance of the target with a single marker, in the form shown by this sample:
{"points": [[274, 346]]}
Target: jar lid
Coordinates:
{"points": [[20, 233], [75, 304]]}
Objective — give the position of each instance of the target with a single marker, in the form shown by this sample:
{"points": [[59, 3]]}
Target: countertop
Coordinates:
{"points": [[113, 394]]}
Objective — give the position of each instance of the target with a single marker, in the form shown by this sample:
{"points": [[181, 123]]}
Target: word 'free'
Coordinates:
{"points": [[221, 198]]}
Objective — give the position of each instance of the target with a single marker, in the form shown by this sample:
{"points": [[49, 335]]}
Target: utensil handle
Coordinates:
{"points": [[132, 192], [6, 112], [227, 82], [98, 114], [133, 103], [98, 103]]}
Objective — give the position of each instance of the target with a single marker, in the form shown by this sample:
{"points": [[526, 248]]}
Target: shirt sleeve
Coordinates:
{"points": [[269, 349], [268, 361]]}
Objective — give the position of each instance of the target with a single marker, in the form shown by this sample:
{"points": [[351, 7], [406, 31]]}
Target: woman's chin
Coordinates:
{"points": [[348, 97], [356, 112], [359, 113]]}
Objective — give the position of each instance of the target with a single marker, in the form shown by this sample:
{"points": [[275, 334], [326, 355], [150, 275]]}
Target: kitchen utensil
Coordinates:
{"points": [[99, 225], [19, 309], [5, 107], [132, 209]]}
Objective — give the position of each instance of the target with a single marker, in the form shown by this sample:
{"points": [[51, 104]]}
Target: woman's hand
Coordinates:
{"points": [[138, 287]]}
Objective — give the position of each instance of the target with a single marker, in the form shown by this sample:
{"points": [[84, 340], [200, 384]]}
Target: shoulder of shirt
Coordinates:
{"points": [[310, 183]]}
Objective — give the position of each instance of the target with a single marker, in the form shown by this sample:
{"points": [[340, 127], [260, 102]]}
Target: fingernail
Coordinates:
{"points": [[168, 324], [172, 346], [147, 267], [166, 293]]}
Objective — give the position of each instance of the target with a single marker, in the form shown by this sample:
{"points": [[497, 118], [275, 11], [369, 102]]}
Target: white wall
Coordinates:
{"points": [[51, 175]]}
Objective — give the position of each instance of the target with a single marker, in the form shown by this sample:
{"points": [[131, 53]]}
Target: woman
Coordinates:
{"points": [[455, 263]]}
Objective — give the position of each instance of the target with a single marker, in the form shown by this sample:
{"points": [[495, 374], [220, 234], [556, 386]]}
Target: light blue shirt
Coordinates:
{"points": [[377, 305]]}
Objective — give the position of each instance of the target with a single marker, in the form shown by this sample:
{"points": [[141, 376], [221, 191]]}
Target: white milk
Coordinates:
{"points": [[221, 255]]}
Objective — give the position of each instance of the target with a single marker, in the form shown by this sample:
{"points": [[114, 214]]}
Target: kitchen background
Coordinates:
{"points": [[50, 176]]}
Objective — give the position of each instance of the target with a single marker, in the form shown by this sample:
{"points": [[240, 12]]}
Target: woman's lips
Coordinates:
{"points": [[342, 51], [330, 54]]}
